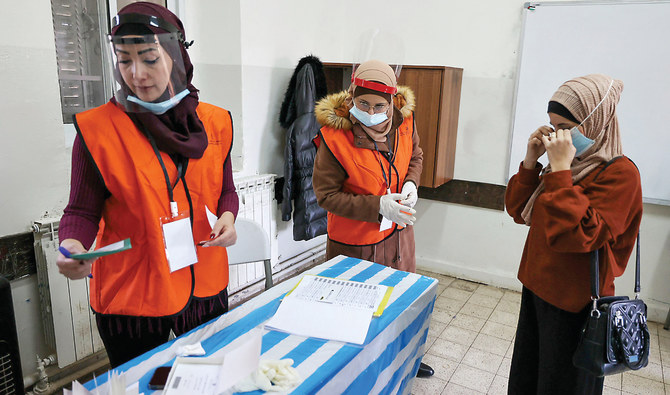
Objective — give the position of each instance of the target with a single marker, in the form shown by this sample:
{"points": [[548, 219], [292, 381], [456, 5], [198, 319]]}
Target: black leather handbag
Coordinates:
{"points": [[615, 337]]}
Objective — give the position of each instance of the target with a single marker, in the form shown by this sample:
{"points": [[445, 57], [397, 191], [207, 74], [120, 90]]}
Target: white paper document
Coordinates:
{"points": [[116, 385], [385, 225], [211, 217], [215, 375], [199, 376], [77, 389], [329, 308], [179, 245]]}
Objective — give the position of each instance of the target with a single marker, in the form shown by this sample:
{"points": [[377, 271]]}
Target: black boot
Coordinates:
{"points": [[424, 371]]}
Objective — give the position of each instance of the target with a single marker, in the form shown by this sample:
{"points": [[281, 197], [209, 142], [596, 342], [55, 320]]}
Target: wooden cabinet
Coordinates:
{"points": [[438, 93]]}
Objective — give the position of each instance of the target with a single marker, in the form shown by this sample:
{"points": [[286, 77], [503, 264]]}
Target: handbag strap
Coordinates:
{"points": [[637, 266], [643, 354], [595, 259], [595, 275]]}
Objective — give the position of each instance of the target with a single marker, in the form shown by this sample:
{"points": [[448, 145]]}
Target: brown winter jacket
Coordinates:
{"points": [[397, 250]]}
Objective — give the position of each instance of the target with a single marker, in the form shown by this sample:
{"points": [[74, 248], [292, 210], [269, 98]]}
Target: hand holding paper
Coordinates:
{"points": [[68, 265], [74, 262], [223, 232]]}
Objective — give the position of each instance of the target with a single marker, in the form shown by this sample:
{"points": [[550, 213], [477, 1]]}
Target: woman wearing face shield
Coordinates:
{"points": [[151, 165], [367, 169], [588, 198]]}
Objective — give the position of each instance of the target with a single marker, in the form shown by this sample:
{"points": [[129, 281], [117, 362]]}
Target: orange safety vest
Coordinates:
{"points": [[138, 281], [365, 178]]}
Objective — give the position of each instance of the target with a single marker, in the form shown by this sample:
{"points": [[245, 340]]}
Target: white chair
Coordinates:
{"points": [[253, 245]]}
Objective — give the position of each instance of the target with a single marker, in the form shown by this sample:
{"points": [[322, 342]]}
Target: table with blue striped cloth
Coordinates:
{"points": [[386, 364]]}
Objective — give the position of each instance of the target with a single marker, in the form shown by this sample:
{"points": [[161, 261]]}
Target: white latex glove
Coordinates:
{"points": [[409, 193], [271, 375], [396, 212]]}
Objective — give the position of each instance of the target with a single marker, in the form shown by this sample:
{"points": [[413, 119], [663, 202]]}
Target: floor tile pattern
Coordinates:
{"points": [[471, 337]]}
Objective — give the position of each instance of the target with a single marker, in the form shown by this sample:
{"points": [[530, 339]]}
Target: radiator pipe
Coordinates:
{"points": [[40, 379], [303, 256]]}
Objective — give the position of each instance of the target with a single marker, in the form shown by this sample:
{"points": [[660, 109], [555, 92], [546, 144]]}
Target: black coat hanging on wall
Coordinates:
{"points": [[307, 85]]}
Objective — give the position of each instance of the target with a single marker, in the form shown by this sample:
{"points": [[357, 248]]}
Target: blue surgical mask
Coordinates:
{"points": [[367, 119], [581, 142], [162, 107]]}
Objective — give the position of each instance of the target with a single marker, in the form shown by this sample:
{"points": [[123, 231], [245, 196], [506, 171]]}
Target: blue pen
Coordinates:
{"points": [[67, 254]]}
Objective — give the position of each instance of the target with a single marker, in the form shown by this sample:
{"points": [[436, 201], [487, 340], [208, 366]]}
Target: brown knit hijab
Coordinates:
{"points": [[580, 96]]}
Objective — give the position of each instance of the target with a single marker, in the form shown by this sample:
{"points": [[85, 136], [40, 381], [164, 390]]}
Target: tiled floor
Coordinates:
{"points": [[471, 337]]}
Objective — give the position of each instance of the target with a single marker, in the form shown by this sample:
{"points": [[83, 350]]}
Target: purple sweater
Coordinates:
{"points": [[88, 194]]}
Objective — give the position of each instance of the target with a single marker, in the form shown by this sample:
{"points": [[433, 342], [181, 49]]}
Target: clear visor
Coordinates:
{"points": [[148, 71], [397, 68], [380, 44]]}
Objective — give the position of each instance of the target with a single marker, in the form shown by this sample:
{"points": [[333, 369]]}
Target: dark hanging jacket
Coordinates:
{"points": [[297, 114]]}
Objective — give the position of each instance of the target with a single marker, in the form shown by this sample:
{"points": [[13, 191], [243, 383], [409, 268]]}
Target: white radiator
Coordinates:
{"points": [[69, 324], [256, 194]]}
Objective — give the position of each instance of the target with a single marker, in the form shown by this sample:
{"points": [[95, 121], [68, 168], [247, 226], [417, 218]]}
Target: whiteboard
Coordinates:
{"points": [[626, 40]]}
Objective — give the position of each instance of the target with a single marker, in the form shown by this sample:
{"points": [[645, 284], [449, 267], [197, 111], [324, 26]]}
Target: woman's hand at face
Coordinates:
{"points": [[535, 147], [560, 150]]}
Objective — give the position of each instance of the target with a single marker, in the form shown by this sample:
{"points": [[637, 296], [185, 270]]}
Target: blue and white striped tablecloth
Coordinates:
{"points": [[386, 364]]}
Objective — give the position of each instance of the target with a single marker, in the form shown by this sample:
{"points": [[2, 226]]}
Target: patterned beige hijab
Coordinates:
{"points": [[581, 96]]}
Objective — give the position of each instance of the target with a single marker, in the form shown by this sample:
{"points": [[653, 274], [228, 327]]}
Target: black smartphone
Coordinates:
{"points": [[159, 378]]}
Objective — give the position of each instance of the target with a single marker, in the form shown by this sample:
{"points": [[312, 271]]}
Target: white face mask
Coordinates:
{"points": [[162, 107], [581, 142], [367, 119]]}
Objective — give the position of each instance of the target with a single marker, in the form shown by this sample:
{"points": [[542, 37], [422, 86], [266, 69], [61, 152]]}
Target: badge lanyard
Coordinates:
{"points": [[385, 223], [177, 229], [174, 209], [387, 180]]}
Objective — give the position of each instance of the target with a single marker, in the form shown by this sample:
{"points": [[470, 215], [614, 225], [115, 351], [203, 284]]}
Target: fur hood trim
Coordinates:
{"points": [[332, 111]]}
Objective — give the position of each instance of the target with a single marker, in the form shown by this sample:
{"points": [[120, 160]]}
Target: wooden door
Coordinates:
{"points": [[426, 84]]}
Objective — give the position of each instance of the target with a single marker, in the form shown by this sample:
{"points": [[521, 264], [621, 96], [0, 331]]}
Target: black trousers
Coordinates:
{"points": [[546, 339], [126, 337]]}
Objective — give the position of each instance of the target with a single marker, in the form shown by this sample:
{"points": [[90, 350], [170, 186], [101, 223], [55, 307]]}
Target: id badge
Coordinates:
{"points": [[386, 223], [178, 238]]}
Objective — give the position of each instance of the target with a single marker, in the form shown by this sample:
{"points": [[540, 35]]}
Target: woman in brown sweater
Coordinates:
{"points": [[588, 198]]}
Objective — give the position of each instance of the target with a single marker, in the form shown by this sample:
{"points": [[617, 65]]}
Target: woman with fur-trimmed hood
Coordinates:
{"points": [[367, 168]]}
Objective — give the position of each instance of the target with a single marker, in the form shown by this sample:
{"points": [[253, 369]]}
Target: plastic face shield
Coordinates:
{"points": [[374, 85], [149, 71], [381, 44]]}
